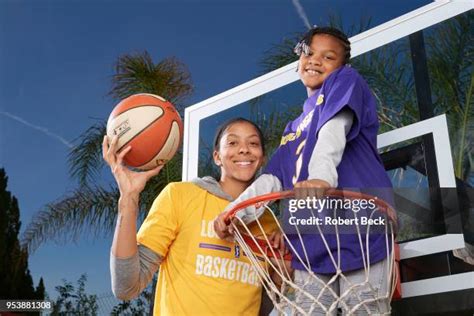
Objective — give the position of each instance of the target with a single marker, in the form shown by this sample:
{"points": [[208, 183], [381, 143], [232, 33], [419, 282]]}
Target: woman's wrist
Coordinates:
{"points": [[128, 203]]}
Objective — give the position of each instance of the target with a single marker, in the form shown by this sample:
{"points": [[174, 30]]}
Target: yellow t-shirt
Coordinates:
{"points": [[200, 274]]}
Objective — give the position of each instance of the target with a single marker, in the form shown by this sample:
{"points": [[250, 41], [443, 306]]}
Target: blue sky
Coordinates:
{"points": [[56, 60]]}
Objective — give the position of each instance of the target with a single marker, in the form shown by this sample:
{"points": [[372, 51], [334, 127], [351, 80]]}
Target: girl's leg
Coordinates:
{"points": [[319, 291], [366, 294]]}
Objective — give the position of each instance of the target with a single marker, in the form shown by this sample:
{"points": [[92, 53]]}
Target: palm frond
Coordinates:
{"points": [[273, 125], [206, 161], [280, 54], [85, 160], [87, 208], [267, 114], [451, 56], [137, 73], [389, 74], [335, 20], [450, 49]]}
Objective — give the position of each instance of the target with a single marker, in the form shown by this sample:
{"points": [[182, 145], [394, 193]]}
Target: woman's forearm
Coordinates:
{"points": [[131, 266], [124, 244]]}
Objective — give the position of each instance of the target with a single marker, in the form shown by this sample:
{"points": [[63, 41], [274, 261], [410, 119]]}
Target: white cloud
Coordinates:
{"points": [[301, 13], [38, 128]]}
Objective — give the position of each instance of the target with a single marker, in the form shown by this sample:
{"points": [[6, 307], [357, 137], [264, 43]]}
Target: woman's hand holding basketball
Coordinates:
{"points": [[130, 182]]}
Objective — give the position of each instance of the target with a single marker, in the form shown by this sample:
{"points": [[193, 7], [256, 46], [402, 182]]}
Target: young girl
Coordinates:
{"points": [[200, 274], [332, 144]]}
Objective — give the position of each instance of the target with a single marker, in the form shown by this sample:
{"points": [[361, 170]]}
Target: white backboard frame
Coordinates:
{"points": [[437, 126]]}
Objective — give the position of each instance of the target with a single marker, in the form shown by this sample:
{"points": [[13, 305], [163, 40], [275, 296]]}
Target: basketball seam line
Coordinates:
{"points": [[169, 132], [144, 128]]}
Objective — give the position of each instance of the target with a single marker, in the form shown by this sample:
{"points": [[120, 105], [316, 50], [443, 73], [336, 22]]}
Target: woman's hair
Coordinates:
{"points": [[303, 46], [227, 124]]}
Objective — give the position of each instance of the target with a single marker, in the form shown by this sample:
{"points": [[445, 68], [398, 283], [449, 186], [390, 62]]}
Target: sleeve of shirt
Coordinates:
{"points": [[161, 225], [130, 276], [327, 153], [343, 91], [266, 183]]}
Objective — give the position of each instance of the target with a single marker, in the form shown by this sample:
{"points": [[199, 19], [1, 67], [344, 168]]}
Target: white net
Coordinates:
{"points": [[291, 274]]}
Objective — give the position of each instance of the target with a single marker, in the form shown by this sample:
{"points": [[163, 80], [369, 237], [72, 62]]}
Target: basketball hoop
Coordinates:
{"points": [[276, 274]]}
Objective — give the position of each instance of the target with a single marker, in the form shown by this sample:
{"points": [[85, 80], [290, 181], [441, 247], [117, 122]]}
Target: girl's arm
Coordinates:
{"points": [[327, 155], [266, 183], [329, 148]]}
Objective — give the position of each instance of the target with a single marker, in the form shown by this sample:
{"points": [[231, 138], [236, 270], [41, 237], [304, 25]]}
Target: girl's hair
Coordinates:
{"points": [[303, 46], [227, 124]]}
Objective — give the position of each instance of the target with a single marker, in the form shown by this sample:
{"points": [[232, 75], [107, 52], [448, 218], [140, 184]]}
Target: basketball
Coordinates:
{"points": [[148, 123]]}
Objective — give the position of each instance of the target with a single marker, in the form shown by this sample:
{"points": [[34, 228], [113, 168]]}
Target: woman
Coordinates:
{"points": [[200, 274]]}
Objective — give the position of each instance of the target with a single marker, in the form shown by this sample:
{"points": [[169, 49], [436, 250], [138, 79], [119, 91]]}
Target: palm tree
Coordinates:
{"points": [[92, 207], [451, 66]]}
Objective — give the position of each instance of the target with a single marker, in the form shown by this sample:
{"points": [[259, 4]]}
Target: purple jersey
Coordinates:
{"points": [[360, 166]]}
